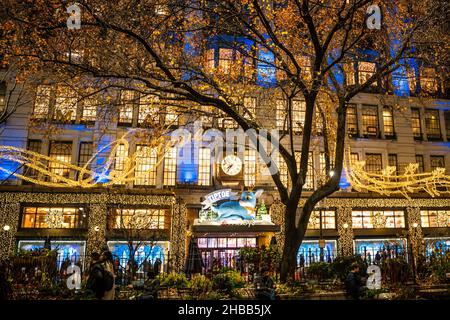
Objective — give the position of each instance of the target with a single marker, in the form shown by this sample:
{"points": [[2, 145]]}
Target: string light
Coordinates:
{"points": [[388, 183], [54, 219], [87, 178]]}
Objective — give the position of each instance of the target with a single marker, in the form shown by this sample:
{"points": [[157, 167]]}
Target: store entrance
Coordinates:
{"points": [[222, 252]]}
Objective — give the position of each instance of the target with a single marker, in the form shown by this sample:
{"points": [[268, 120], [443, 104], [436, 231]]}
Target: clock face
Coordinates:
{"points": [[231, 165]]}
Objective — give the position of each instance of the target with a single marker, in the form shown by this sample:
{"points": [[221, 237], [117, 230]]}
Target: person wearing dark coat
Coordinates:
{"points": [[95, 279], [157, 266], [5, 289], [353, 284]]}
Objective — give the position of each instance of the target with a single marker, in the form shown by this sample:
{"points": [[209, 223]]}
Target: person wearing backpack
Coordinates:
{"points": [[108, 275]]}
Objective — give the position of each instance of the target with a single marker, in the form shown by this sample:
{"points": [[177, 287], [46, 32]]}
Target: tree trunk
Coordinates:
{"points": [[291, 243]]}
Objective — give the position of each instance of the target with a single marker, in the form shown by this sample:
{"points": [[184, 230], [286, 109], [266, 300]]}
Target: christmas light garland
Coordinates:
{"points": [[87, 178], [388, 183]]}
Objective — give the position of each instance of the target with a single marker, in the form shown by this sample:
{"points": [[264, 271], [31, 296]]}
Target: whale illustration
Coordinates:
{"points": [[242, 209]]}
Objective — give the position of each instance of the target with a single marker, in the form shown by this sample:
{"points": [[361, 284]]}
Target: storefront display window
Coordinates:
{"points": [[53, 218], [68, 251], [374, 249], [309, 252], [436, 246], [149, 251], [370, 219]]}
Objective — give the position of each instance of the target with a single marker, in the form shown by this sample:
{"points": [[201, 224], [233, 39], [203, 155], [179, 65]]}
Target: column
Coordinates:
{"points": [[9, 216], [415, 230], [178, 237], [345, 230], [277, 215], [97, 228]]}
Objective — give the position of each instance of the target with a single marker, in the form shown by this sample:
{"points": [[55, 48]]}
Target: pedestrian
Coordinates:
{"points": [[157, 267], [5, 289], [108, 274], [353, 283], [95, 281], [265, 286], [377, 258]]}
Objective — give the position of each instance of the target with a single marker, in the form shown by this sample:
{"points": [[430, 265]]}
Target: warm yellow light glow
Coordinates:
{"points": [[388, 183], [86, 178]]}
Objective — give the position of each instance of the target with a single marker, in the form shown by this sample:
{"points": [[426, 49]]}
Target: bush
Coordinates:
{"points": [[228, 281], [319, 270], [174, 280], [342, 265], [440, 266], [200, 286]]}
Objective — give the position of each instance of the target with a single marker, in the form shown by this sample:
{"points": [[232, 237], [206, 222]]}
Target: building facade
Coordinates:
{"points": [[169, 200]]}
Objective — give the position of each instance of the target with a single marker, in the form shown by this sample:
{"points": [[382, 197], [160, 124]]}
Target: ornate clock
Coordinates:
{"points": [[231, 165]]}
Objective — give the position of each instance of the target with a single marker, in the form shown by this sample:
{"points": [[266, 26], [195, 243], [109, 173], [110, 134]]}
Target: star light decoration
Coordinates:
{"points": [[388, 183], [87, 178]]}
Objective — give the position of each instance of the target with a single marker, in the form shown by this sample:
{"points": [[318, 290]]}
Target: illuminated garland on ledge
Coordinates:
{"points": [[388, 183], [87, 178]]}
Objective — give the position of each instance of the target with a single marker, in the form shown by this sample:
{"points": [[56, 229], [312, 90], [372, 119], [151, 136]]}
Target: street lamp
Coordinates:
{"points": [[6, 227]]}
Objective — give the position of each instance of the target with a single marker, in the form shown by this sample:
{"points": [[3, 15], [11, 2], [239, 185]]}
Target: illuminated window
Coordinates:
{"points": [[60, 151], [210, 61], [349, 71], [148, 115], [2, 95], [35, 146], [281, 114], [225, 60], [447, 123], [250, 106], [65, 104], [85, 154], [204, 167], [374, 163], [388, 122], [146, 161], [416, 123], [250, 167], [352, 120], [419, 161], [120, 161], [428, 80], [437, 162], [89, 113], [432, 124], [392, 160], [370, 219], [126, 107], [435, 218], [309, 183], [170, 166], [328, 219], [170, 116], [365, 71], [282, 169], [354, 157], [305, 64], [53, 218], [298, 115], [322, 166], [370, 120], [42, 101], [145, 219]]}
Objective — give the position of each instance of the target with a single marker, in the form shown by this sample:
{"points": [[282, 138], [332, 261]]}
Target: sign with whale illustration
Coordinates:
{"points": [[225, 206]]}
